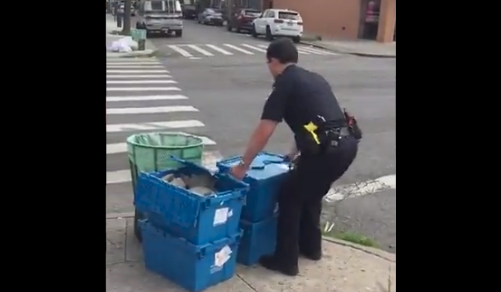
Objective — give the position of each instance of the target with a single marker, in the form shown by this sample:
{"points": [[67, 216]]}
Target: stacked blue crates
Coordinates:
{"points": [[190, 239], [259, 214]]}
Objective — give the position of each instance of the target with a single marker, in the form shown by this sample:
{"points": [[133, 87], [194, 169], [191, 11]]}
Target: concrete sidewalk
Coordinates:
{"points": [[359, 48], [344, 268]]}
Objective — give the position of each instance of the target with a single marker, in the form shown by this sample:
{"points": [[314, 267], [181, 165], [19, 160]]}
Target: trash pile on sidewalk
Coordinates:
{"points": [[123, 45], [197, 225]]}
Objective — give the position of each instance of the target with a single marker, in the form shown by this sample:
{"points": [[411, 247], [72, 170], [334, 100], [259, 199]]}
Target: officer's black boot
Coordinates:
{"points": [[314, 256], [271, 263]]}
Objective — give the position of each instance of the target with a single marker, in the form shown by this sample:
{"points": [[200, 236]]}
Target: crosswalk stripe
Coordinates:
{"points": [[140, 82], [144, 97], [254, 48], [200, 50], [118, 176], [302, 52], [115, 128], [134, 66], [298, 50], [149, 110], [215, 48], [138, 76], [122, 147], [238, 49], [316, 51], [133, 63], [138, 71], [143, 89], [180, 51], [131, 60]]}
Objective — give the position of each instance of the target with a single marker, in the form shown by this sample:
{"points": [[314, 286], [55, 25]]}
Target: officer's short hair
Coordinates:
{"points": [[283, 50]]}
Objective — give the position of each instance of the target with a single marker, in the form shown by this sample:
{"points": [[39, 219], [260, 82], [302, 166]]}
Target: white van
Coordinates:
{"points": [[160, 17]]}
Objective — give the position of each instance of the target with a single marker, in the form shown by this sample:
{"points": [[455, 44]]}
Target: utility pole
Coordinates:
{"points": [[127, 20]]}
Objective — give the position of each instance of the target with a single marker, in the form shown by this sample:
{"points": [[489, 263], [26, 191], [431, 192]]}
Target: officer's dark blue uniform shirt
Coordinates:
{"points": [[298, 96]]}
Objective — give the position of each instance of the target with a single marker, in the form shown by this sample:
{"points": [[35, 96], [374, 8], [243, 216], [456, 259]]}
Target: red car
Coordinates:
{"points": [[242, 19]]}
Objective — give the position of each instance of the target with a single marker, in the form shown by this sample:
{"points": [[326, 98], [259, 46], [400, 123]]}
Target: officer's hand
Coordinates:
{"points": [[239, 171], [291, 157]]}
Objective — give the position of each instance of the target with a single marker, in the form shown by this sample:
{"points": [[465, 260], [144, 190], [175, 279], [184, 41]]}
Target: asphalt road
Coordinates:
{"points": [[230, 90]]}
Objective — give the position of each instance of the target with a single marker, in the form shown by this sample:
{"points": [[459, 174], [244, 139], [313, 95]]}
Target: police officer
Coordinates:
{"points": [[305, 101]]}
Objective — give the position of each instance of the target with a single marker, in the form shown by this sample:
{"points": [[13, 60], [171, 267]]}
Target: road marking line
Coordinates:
{"points": [[118, 176], [254, 48], [238, 49], [299, 51], [144, 97], [361, 188], [134, 66], [122, 176], [115, 128], [149, 110], [126, 63], [138, 76], [216, 48], [163, 71], [122, 147], [132, 60], [316, 51], [200, 50], [143, 89], [140, 81], [180, 51]]}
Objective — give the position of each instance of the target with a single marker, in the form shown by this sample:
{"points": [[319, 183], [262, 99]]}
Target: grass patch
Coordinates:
{"points": [[353, 238]]}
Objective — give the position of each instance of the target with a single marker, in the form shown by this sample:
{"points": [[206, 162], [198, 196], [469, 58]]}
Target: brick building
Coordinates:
{"points": [[346, 19]]}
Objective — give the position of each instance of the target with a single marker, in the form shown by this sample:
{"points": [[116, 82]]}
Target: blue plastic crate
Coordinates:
{"points": [[258, 239], [193, 267], [265, 176], [199, 219]]}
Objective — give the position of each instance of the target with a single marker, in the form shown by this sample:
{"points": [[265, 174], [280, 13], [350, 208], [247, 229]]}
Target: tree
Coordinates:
{"points": [[127, 20]]}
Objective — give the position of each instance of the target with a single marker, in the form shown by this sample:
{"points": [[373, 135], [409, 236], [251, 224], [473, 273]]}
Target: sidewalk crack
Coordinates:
{"points": [[246, 283], [125, 239]]}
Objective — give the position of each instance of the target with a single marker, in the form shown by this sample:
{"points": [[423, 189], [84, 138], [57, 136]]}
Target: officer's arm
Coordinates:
{"points": [[273, 113]]}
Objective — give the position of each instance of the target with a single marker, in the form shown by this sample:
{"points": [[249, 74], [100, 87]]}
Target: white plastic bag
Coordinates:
{"points": [[123, 45]]}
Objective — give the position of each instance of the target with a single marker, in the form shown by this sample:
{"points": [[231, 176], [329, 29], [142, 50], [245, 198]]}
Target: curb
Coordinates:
{"points": [[368, 250], [348, 52]]}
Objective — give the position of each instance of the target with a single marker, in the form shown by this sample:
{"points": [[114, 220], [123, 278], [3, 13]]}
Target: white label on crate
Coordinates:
{"points": [[221, 257], [230, 213], [221, 216], [215, 269]]}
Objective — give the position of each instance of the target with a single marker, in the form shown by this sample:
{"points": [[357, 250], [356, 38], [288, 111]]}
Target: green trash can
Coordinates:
{"points": [[150, 152]]}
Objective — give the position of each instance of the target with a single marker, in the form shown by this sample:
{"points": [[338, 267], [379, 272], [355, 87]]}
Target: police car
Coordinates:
{"points": [[278, 23]]}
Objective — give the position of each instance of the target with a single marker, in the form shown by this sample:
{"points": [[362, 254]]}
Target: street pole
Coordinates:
{"points": [[127, 20]]}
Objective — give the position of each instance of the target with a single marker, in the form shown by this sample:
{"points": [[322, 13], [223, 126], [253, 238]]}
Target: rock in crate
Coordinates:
{"points": [[196, 217]]}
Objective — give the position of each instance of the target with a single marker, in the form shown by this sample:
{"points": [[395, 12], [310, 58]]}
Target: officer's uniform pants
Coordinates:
{"points": [[300, 200]]}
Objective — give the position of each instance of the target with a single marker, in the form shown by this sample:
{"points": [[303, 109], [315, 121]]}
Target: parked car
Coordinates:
{"points": [[278, 23], [242, 20], [160, 17], [211, 16], [189, 11]]}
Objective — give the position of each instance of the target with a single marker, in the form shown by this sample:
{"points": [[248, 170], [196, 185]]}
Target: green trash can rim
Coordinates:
{"points": [[130, 140]]}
